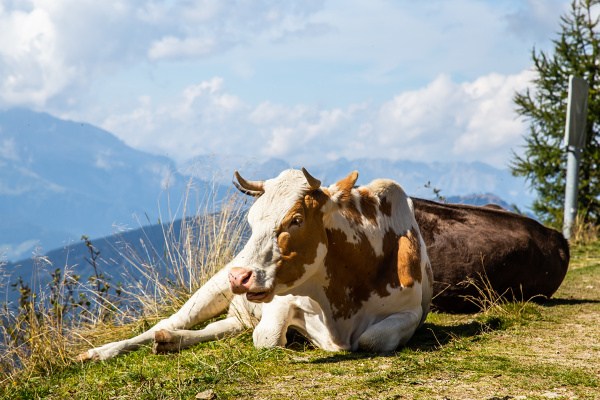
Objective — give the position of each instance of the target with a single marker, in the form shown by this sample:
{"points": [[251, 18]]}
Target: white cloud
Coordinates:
{"points": [[52, 51], [444, 120], [172, 47], [492, 122], [31, 67], [455, 121], [50, 47], [203, 118], [209, 27], [8, 149]]}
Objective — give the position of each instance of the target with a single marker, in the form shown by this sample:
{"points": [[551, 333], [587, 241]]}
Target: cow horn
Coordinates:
{"points": [[313, 182], [252, 188]]}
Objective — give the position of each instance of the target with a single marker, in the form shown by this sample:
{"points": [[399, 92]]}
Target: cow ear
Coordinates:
{"points": [[252, 188], [341, 191]]}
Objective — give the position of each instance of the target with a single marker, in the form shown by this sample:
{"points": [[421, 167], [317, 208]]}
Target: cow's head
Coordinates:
{"points": [[288, 242]]}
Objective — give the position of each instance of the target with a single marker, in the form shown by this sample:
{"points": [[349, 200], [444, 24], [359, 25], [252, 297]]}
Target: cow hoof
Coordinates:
{"points": [[164, 347], [87, 356], [166, 342], [163, 336]]}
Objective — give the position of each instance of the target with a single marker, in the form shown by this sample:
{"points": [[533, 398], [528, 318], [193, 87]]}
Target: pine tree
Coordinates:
{"points": [[576, 52]]}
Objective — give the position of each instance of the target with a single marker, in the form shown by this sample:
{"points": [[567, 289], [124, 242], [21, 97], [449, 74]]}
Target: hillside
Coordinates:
{"points": [[62, 179], [512, 351], [148, 242], [418, 179]]}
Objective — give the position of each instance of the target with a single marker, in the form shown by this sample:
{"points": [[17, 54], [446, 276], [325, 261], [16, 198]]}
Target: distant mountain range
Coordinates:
{"points": [[62, 179], [420, 179]]}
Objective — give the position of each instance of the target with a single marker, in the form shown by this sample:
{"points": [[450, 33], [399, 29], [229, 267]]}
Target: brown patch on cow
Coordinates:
{"points": [[351, 212], [298, 243], [385, 206], [409, 259], [345, 187], [356, 273], [368, 204]]}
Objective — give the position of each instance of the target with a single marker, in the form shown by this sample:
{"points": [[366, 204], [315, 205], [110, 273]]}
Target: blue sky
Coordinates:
{"points": [[299, 80]]}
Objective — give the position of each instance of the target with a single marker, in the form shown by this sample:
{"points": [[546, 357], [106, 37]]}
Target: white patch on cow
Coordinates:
{"points": [[280, 195], [335, 220], [336, 193], [403, 216]]}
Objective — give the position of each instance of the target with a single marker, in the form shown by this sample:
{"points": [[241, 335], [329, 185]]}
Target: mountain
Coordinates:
{"points": [[121, 255], [129, 257], [481, 199], [420, 179], [61, 179]]}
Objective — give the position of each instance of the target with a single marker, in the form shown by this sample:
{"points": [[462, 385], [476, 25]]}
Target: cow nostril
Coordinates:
{"points": [[246, 278]]}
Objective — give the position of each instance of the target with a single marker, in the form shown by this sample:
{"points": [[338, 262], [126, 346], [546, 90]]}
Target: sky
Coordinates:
{"points": [[304, 81]]}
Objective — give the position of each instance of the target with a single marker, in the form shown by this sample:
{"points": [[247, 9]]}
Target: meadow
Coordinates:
{"points": [[547, 349]]}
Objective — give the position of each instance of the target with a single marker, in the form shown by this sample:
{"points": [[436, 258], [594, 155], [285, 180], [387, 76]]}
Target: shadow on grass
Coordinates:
{"points": [[430, 337], [566, 302]]}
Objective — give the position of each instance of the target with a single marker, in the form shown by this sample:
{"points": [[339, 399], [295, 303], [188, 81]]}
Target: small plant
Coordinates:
{"points": [[436, 192], [584, 232], [104, 303], [499, 310], [37, 333]]}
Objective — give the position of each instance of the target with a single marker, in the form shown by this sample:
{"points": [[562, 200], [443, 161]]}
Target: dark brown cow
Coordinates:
{"points": [[518, 256]]}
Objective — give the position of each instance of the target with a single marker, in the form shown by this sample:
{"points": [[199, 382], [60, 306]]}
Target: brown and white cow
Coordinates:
{"points": [[513, 255], [346, 267]]}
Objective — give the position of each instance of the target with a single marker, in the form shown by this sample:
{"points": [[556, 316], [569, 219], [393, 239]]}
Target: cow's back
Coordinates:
{"points": [[518, 256]]}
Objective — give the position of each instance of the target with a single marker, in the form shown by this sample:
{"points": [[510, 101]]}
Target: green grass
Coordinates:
{"points": [[523, 350]]}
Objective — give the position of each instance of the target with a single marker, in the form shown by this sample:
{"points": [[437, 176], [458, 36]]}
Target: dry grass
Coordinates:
{"points": [[551, 351], [201, 245], [508, 350], [584, 233], [48, 328]]}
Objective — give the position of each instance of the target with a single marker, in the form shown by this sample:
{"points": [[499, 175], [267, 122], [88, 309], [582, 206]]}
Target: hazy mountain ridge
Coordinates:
{"points": [[147, 244], [417, 178], [61, 179]]}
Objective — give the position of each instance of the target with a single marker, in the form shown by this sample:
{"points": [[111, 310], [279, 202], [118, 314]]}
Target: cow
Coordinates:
{"points": [[481, 251], [344, 266]]}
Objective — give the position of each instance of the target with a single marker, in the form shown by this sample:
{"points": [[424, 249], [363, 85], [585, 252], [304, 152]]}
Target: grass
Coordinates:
{"points": [[510, 351], [507, 351]]}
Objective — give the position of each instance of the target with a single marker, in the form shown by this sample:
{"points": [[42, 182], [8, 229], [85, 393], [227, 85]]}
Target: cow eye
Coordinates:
{"points": [[296, 221]]}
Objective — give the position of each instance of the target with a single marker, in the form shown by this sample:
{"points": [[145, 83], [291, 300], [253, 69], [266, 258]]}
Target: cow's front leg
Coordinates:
{"points": [[209, 301], [167, 341], [272, 328], [393, 331]]}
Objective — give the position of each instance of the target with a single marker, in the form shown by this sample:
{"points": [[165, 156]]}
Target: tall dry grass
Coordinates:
{"points": [[52, 323], [584, 232], [193, 252]]}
